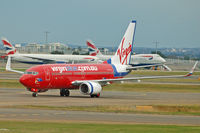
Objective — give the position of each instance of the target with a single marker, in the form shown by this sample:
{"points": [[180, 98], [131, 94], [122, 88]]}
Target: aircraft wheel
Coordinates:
{"points": [[98, 95], [35, 94], [95, 95], [67, 92], [62, 92], [92, 96]]}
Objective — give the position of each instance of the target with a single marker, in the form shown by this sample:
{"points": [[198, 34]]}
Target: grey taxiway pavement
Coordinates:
{"points": [[13, 97], [56, 115]]}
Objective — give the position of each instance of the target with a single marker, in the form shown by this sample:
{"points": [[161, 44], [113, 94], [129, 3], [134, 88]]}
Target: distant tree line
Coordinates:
{"points": [[57, 52], [185, 57]]}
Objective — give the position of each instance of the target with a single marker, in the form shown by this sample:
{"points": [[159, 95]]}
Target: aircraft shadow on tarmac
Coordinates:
{"points": [[58, 96], [106, 96]]}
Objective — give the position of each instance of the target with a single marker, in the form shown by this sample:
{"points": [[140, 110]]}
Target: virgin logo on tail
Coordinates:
{"points": [[124, 52]]}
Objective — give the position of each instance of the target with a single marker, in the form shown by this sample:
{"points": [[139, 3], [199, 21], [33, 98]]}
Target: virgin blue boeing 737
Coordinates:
{"points": [[88, 78]]}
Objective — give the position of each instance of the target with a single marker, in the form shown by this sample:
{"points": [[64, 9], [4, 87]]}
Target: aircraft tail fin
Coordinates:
{"points": [[123, 53], [93, 50], [10, 49]]}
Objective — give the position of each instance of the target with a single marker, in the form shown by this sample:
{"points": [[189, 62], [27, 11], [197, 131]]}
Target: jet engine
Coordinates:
{"points": [[90, 88]]}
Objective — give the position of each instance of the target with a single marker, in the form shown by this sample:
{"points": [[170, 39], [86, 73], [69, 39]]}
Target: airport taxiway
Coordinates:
{"points": [[95, 117], [14, 97], [52, 98]]}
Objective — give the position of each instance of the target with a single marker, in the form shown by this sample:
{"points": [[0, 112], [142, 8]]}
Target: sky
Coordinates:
{"points": [[173, 23]]}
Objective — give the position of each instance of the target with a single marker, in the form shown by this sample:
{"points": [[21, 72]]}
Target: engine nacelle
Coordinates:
{"points": [[90, 88]]}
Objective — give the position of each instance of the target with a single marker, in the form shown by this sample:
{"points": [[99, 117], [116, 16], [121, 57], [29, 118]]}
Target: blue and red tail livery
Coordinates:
{"points": [[93, 50], [10, 50]]}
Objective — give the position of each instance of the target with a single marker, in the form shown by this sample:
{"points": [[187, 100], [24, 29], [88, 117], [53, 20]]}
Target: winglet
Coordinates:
{"points": [[8, 66], [192, 70]]}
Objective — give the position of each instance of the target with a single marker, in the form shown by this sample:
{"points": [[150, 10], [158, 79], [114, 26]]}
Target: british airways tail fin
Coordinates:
{"points": [[93, 50], [10, 49], [123, 53]]}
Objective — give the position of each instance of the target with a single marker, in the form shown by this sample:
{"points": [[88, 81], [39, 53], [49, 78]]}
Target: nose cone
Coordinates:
{"points": [[24, 80], [162, 60]]}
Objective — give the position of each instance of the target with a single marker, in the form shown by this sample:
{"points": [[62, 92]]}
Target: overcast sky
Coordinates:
{"points": [[173, 23]]}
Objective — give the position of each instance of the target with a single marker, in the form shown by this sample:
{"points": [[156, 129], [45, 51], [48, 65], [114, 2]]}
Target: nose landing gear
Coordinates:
{"points": [[35, 94]]}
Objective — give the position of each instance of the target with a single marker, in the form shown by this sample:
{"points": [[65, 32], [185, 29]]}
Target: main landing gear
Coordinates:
{"points": [[64, 92], [95, 95]]}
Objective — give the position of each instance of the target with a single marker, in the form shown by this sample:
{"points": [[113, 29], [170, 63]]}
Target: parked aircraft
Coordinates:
{"points": [[44, 58], [88, 78], [136, 60]]}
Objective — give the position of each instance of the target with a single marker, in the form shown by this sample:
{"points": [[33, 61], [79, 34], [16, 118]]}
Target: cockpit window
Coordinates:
{"points": [[33, 73]]}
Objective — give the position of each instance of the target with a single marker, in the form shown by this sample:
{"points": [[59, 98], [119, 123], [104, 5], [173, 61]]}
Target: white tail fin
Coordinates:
{"points": [[10, 49], [93, 50], [123, 53]]}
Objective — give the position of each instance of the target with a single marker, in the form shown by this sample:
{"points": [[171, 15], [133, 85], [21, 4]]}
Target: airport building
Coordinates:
{"points": [[43, 48], [104, 51]]}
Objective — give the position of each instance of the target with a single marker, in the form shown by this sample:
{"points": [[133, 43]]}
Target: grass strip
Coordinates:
{"points": [[10, 83], [173, 80], [60, 127], [141, 87], [3, 70], [164, 73], [144, 109]]}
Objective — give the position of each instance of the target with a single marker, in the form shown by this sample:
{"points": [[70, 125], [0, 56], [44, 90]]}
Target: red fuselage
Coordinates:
{"points": [[57, 76]]}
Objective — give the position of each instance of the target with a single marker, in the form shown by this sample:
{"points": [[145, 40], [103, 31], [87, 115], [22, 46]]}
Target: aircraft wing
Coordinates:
{"points": [[78, 82], [46, 61]]}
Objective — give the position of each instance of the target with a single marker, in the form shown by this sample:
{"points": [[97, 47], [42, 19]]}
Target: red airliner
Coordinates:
{"points": [[88, 78]]}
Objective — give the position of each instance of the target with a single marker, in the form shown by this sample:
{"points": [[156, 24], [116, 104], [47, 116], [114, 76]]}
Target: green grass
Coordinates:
{"points": [[61, 127], [150, 109], [10, 83], [144, 87], [173, 80], [156, 73], [19, 69], [178, 109]]}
